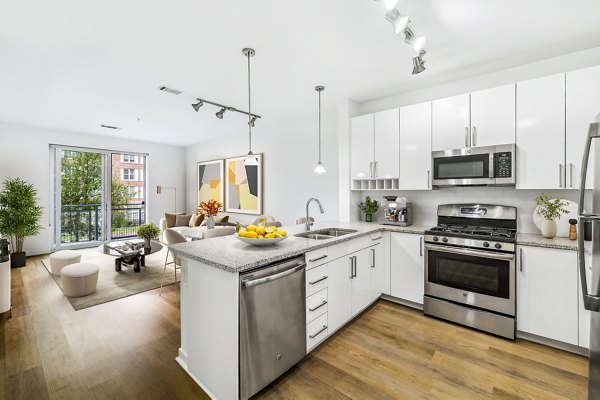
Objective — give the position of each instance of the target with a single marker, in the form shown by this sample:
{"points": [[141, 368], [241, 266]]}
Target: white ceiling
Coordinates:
{"points": [[73, 65]]}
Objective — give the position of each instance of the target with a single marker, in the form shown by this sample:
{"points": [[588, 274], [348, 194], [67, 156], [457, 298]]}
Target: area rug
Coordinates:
{"points": [[113, 285]]}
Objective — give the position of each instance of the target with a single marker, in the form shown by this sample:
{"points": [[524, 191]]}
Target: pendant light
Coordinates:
{"points": [[250, 159], [319, 169]]}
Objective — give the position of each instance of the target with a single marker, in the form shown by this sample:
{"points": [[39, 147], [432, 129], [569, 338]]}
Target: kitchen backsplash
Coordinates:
{"points": [[424, 203]]}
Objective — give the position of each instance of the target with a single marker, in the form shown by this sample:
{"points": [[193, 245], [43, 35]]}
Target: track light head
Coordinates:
{"points": [[251, 122], [390, 4], [399, 22], [197, 106], [418, 64], [419, 44], [220, 113]]}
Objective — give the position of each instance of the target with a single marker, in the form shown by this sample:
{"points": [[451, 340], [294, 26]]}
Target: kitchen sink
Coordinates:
{"points": [[323, 234], [316, 236]]}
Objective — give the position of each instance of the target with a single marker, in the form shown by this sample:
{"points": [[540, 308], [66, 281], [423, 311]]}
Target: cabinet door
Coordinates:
{"points": [[493, 116], [339, 292], [583, 104], [362, 295], [541, 133], [362, 146], [584, 315], [415, 147], [450, 123], [387, 147], [407, 266], [547, 293], [377, 271]]}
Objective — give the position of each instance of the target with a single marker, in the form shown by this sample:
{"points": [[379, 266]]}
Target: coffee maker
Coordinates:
{"points": [[397, 212]]}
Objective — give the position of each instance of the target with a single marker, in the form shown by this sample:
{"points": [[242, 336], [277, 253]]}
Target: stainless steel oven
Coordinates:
{"points": [[489, 166]]}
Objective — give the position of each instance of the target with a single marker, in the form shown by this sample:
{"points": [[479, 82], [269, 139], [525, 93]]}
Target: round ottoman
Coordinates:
{"points": [[60, 259], [79, 279]]}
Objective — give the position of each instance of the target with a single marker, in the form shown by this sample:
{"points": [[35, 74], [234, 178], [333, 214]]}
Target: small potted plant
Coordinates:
{"points": [[210, 210], [19, 216], [368, 207], [148, 232], [550, 210]]}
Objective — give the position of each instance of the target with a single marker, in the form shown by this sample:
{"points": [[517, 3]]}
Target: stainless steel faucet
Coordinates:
{"points": [[308, 222]]}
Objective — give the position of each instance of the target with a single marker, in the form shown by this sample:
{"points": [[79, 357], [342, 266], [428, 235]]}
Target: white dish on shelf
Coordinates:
{"points": [[260, 242], [562, 223]]}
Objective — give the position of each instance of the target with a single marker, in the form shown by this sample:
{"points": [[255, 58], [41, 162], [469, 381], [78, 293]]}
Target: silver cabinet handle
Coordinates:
{"points": [[375, 168], [466, 136], [560, 175], [319, 306], [377, 238], [354, 264], [318, 258], [271, 278], [371, 169], [351, 267], [571, 174], [473, 136], [428, 179], [521, 259], [317, 281], [323, 329], [373, 258], [421, 247]]}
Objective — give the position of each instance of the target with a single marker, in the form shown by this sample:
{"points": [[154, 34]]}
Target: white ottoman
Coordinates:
{"points": [[60, 259], [79, 279]]}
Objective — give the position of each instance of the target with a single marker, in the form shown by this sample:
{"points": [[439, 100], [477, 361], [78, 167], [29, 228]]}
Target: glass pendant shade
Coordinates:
{"points": [[250, 159], [319, 169]]}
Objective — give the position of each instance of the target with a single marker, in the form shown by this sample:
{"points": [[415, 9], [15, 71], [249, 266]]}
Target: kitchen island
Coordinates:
{"points": [[210, 287]]}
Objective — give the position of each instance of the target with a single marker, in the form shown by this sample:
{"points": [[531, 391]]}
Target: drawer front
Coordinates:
{"points": [[316, 332], [316, 279], [377, 237], [351, 246], [316, 257], [316, 305]]}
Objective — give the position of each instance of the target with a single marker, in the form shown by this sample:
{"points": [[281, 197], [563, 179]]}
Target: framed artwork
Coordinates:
{"points": [[243, 184], [210, 181]]}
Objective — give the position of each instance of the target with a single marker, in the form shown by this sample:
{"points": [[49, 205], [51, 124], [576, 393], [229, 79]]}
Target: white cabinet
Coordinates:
{"points": [[374, 146], [407, 266], [450, 122], [541, 133], [339, 292], [547, 303], [415, 147], [362, 295], [583, 104], [493, 116]]}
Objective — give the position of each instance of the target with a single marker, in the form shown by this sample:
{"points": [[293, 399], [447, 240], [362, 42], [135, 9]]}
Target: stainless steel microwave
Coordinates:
{"points": [[475, 166]]}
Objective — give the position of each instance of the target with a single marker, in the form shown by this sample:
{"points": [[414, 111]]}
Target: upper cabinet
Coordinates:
{"points": [[415, 147], [493, 116], [450, 123], [583, 104], [374, 145], [541, 133]]}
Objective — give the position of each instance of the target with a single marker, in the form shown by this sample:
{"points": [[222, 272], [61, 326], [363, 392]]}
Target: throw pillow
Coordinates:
{"points": [[224, 218], [170, 219], [182, 220], [196, 220]]}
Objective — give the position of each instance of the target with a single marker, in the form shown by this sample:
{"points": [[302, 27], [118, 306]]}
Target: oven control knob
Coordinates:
{"points": [[498, 245], [486, 244], [445, 240], [435, 238]]}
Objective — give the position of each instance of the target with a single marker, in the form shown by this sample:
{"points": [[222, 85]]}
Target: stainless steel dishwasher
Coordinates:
{"points": [[272, 323]]}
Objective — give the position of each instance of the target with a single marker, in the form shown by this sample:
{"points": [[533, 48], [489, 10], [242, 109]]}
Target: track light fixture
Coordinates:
{"points": [[390, 4], [220, 113], [224, 108], [418, 64], [252, 121], [398, 21], [197, 105]]}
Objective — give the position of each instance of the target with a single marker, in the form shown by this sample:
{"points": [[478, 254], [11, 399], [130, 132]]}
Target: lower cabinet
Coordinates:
{"points": [[339, 291], [407, 266], [547, 293]]}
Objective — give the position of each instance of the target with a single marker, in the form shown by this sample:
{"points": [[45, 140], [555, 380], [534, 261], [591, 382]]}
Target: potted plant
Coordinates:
{"points": [[550, 210], [210, 210], [368, 207], [19, 216], [148, 232]]}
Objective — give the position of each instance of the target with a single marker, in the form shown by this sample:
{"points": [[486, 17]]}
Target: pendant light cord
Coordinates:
{"points": [[249, 109], [319, 126]]}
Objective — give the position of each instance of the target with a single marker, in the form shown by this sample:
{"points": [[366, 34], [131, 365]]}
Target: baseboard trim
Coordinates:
{"points": [[183, 365], [402, 302], [571, 348]]}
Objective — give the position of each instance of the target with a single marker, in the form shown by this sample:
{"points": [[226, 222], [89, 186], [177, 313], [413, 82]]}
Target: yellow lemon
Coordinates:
{"points": [[282, 232], [269, 236], [251, 235], [260, 230], [242, 234], [251, 228], [261, 236], [269, 229]]}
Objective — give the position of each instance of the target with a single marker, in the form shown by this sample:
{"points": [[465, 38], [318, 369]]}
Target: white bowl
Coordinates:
{"points": [[260, 242]]}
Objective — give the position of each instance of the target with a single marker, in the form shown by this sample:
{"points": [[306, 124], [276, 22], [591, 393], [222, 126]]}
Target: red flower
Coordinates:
{"points": [[210, 209]]}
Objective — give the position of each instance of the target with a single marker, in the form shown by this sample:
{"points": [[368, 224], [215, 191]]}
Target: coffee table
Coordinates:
{"points": [[136, 260]]}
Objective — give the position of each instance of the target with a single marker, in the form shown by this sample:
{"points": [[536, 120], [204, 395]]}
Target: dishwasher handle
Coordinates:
{"points": [[273, 277]]}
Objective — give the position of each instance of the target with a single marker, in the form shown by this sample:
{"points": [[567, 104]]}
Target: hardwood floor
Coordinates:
{"points": [[125, 349]]}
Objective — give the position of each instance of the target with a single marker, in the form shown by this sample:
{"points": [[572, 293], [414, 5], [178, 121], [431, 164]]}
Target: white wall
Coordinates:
{"points": [[289, 155], [25, 153]]}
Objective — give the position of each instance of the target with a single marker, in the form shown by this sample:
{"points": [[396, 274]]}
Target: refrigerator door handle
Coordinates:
{"points": [[590, 302]]}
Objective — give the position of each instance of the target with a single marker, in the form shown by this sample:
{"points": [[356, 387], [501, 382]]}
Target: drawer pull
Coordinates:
{"points": [[319, 306], [323, 329], [317, 281], [377, 238], [318, 258]]}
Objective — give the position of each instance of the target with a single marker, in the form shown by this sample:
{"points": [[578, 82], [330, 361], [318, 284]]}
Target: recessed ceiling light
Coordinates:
{"points": [[109, 126], [169, 90]]}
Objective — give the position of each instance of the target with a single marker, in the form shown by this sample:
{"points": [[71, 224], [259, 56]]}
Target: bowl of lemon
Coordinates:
{"points": [[261, 235]]}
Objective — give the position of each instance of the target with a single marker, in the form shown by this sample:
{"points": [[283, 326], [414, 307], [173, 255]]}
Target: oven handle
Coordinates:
{"points": [[477, 253]]}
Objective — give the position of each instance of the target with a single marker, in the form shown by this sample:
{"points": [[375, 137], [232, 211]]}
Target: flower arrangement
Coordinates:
{"points": [[550, 209], [369, 207], [210, 208], [148, 231]]}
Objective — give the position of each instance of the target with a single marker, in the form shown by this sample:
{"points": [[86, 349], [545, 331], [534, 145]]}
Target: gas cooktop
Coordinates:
{"points": [[474, 230]]}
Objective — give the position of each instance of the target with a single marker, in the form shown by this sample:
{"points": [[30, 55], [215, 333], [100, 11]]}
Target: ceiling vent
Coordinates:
{"points": [[169, 90], [109, 126]]}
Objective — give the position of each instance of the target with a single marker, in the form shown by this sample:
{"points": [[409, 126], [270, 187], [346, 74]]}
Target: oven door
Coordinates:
{"points": [[463, 167], [483, 279]]}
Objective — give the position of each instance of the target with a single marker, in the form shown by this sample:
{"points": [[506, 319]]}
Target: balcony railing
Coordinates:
{"points": [[84, 222]]}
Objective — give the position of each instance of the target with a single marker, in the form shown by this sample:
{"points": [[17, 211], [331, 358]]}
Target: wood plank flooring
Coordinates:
{"points": [[125, 349]]}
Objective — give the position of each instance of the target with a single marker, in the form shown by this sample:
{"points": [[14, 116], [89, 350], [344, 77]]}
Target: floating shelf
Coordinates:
{"points": [[375, 184]]}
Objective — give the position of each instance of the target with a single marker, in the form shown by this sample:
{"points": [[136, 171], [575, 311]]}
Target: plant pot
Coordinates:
{"points": [[147, 243], [548, 228], [210, 222], [17, 260], [369, 217]]}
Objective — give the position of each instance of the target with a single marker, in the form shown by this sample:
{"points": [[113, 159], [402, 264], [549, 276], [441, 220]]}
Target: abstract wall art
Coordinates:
{"points": [[243, 184], [210, 181]]}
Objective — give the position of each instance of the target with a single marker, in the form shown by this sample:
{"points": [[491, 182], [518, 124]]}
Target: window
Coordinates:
{"points": [[136, 192], [128, 158], [128, 174]]}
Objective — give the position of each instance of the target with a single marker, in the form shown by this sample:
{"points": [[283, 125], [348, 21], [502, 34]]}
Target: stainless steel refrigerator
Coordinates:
{"points": [[591, 293]]}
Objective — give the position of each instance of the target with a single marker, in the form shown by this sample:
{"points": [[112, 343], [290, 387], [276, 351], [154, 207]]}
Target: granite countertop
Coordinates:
{"points": [[233, 255], [536, 240]]}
